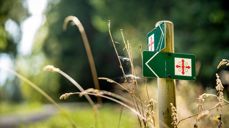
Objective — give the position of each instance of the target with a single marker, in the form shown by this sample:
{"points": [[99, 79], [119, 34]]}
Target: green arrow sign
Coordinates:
{"points": [[154, 64], [168, 65], [156, 38]]}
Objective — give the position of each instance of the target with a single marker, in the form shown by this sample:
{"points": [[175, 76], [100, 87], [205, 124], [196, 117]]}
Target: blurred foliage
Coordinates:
{"points": [[45, 80], [204, 25], [65, 48], [10, 10], [201, 27]]}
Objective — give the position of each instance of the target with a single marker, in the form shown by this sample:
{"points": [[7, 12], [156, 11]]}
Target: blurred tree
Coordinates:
{"points": [[12, 13], [201, 26], [202, 29], [65, 49], [10, 10]]}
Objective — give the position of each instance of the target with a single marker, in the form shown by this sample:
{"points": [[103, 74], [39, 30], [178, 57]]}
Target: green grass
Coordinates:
{"points": [[84, 118], [13, 108]]}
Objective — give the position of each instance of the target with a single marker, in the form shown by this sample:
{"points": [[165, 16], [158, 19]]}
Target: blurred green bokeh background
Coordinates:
{"points": [[31, 36], [201, 28]]}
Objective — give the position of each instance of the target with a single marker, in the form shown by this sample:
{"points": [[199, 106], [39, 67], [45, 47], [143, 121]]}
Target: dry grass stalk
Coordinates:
{"points": [[50, 68], [174, 116], [114, 82], [219, 88], [134, 81], [195, 125], [220, 122], [202, 115], [116, 52], [150, 114], [34, 86], [54, 69], [221, 102], [133, 77], [222, 63], [43, 93], [120, 117], [210, 109], [77, 22], [201, 100], [66, 95], [129, 54], [145, 80], [110, 94], [97, 93]]}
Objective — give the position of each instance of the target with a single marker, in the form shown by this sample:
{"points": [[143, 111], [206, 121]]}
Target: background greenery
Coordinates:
{"points": [[201, 28]]}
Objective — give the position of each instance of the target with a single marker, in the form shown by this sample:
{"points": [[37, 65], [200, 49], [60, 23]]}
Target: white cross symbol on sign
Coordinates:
{"points": [[183, 67], [151, 43]]}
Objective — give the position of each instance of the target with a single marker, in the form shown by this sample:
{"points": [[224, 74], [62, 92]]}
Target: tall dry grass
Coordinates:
{"points": [[42, 92], [145, 109], [87, 47]]}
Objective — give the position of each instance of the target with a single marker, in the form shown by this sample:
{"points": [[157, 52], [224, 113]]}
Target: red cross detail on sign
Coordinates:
{"points": [[183, 67], [151, 43]]}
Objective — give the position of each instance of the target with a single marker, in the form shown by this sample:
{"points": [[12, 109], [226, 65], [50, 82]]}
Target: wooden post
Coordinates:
{"points": [[166, 86]]}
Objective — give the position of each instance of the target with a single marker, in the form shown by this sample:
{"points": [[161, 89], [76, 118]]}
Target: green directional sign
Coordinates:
{"points": [[154, 64], [168, 65], [156, 38]]}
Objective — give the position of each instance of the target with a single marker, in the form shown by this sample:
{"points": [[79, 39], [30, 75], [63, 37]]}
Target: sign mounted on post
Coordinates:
{"points": [[160, 61], [156, 38], [168, 65], [154, 64], [183, 66]]}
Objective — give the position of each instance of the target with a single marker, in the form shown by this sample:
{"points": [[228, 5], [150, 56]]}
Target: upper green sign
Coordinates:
{"points": [[156, 38], [168, 65]]}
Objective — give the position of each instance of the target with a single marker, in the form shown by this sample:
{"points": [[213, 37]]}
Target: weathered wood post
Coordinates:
{"points": [[160, 61], [166, 86]]}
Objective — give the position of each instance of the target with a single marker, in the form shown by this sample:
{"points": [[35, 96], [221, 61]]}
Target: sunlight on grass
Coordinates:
{"points": [[83, 116], [13, 108]]}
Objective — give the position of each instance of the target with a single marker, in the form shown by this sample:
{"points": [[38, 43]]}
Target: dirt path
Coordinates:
{"points": [[15, 120]]}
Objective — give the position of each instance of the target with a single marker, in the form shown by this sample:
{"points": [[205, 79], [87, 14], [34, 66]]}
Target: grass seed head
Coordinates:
{"points": [[219, 88], [174, 116], [222, 63], [65, 96], [50, 68], [201, 99]]}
